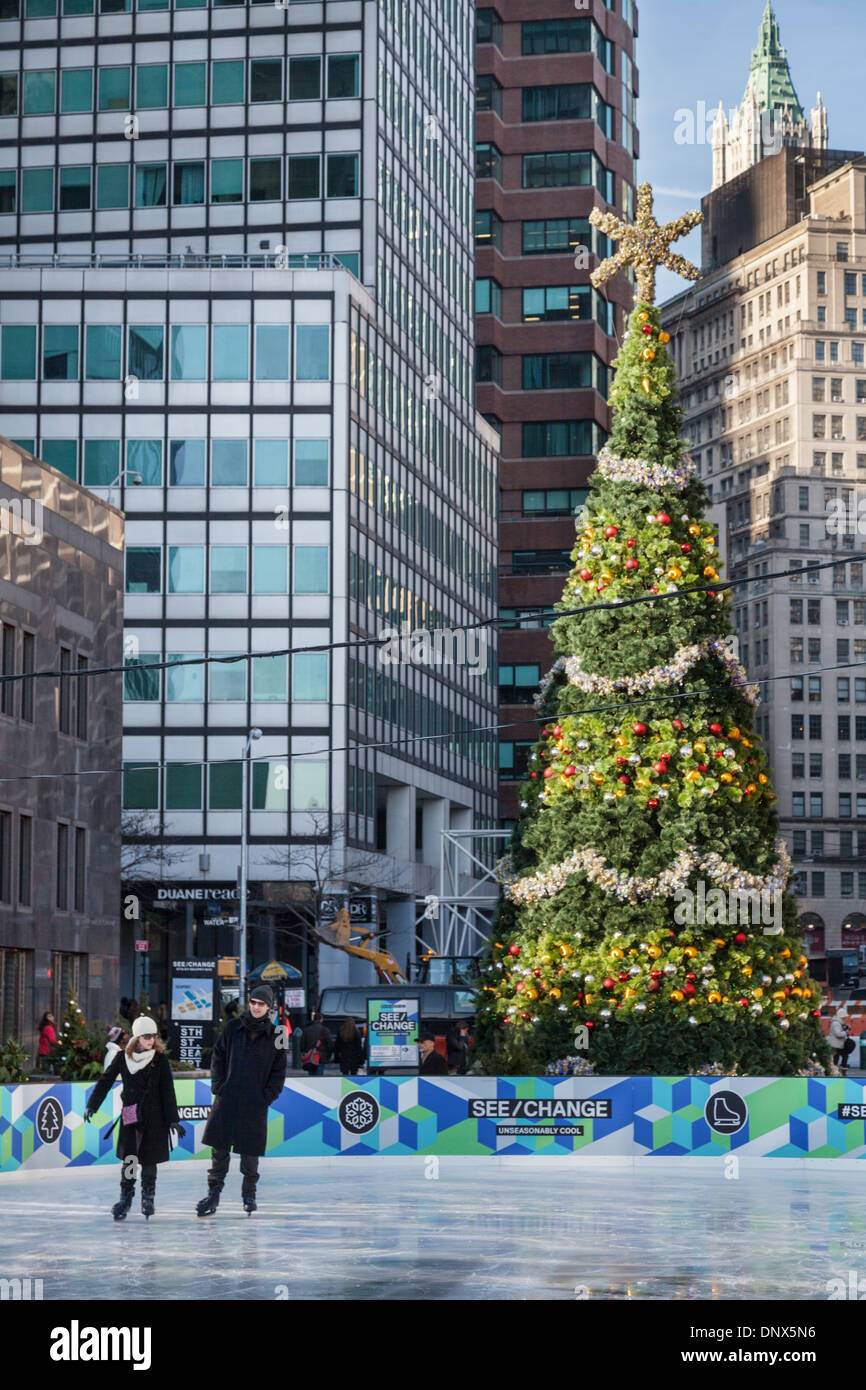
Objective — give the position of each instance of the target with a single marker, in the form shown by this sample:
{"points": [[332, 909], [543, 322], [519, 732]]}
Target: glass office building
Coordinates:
{"points": [[235, 298]]}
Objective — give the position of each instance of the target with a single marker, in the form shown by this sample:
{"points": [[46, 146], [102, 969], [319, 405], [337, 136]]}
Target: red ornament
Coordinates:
{"points": [[570, 770], [743, 1002], [537, 972], [691, 977], [608, 983], [621, 762], [548, 772], [678, 724], [702, 767], [589, 1023], [663, 519], [623, 778], [711, 593], [519, 987], [652, 986], [586, 574], [525, 1017], [816, 1013], [779, 1013], [741, 938], [514, 950], [660, 768], [610, 531], [632, 564], [623, 976], [533, 775], [656, 974], [652, 803], [653, 589], [688, 990], [631, 542], [718, 754], [715, 728], [557, 733], [685, 547], [638, 728], [647, 328], [599, 588], [544, 733]]}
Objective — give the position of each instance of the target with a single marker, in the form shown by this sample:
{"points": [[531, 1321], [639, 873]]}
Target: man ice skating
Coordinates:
{"points": [[248, 1069]]}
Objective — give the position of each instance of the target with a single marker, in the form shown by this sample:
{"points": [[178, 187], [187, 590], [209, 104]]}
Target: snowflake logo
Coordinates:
{"points": [[359, 1112]]}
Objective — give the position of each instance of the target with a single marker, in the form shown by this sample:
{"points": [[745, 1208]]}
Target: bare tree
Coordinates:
{"points": [[145, 856]]}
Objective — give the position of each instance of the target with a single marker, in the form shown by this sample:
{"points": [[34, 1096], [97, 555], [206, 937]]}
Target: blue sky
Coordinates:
{"points": [[691, 51]]}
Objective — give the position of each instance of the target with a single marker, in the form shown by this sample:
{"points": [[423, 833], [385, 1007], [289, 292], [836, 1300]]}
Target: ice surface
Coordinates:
{"points": [[390, 1228]]}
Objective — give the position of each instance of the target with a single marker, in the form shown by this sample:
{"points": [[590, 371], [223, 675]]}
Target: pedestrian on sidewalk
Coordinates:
{"points": [[316, 1047], [47, 1039], [148, 1116], [349, 1048], [838, 1038], [432, 1062], [248, 1069]]}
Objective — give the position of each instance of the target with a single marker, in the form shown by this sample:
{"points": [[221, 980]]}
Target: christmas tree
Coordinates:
{"points": [[644, 913], [78, 1053]]}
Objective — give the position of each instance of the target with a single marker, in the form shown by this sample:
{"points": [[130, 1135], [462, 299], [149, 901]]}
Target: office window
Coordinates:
{"points": [[144, 457], [18, 352], [151, 84], [310, 676], [101, 462], [269, 790], [309, 785], [25, 860], [488, 161], [60, 352], [843, 689], [151, 185], [145, 353], [270, 462], [140, 787], [488, 297], [815, 726], [228, 569], [488, 228], [312, 352], [231, 352], [798, 766], [8, 94], [266, 180], [224, 787], [102, 353], [114, 89], [304, 176], [37, 190], [311, 462], [186, 569], [184, 683], [229, 463], [845, 804], [74, 189], [112, 186], [76, 90], [270, 569], [61, 896], [305, 79], [227, 181], [266, 79], [186, 462], [310, 569], [64, 693], [39, 93], [143, 569], [183, 787], [189, 352], [344, 75], [342, 176], [61, 454], [843, 727], [846, 884], [272, 352], [28, 692], [816, 764], [190, 84], [557, 438], [270, 677], [7, 658], [140, 684], [818, 884], [227, 83], [228, 679], [79, 870], [798, 724], [188, 184]]}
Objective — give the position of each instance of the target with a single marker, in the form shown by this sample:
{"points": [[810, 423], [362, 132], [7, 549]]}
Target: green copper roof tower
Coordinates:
{"points": [[769, 74]]}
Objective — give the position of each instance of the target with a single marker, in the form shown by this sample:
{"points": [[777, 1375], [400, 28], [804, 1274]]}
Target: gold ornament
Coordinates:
{"points": [[717, 941], [631, 993], [757, 993], [690, 951], [645, 245], [598, 778], [643, 316], [714, 997], [700, 748], [664, 337], [725, 777], [676, 994], [565, 949], [694, 530], [645, 383], [616, 953], [709, 572], [648, 355], [675, 573], [654, 951], [555, 993]]}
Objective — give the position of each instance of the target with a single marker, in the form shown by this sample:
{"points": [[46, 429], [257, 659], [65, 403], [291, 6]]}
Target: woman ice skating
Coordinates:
{"points": [[839, 1040], [248, 1069], [149, 1112]]}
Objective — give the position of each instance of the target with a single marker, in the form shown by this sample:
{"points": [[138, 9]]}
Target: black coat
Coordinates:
{"points": [[433, 1064], [152, 1089], [349, 1055], [247, 1074], [317, 1035]]}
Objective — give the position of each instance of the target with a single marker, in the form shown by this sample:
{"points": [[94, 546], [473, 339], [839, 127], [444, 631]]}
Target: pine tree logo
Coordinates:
{"points": [[49, 1120]]}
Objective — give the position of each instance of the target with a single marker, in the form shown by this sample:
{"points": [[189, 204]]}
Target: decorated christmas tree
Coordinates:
{"points": [[644, 912], [77, 1052]]}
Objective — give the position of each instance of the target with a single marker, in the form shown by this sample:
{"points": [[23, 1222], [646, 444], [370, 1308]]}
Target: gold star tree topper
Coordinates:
{"points": [[645, 245]]}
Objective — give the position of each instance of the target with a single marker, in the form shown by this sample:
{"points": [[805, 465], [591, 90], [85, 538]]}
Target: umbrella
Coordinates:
{"points": [[275, 972]]}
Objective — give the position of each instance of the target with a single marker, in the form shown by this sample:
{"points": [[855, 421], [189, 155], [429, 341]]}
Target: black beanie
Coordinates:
{"points": [[265, 993]]}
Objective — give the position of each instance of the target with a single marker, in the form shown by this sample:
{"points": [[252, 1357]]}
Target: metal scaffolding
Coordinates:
{"points": [[458, 919]]}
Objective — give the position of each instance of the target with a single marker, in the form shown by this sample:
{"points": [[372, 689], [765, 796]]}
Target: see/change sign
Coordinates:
{"points": [[392, 1032]]}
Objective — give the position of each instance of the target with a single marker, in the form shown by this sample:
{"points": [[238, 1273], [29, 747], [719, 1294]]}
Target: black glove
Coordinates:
{"points": [[88, 1117], [181, 1132]]}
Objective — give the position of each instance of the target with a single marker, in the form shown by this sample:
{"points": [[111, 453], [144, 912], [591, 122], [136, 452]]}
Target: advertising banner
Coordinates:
{"points": [[194, 1008], [393, 1026], [42, 1126]]}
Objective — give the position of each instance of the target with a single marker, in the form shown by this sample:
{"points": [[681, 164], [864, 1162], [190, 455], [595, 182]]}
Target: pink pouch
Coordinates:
{"points": [[129, 1114]]}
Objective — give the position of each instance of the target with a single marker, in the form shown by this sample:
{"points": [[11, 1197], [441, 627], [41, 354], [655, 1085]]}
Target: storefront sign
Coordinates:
{"points": [[193, 1008]]}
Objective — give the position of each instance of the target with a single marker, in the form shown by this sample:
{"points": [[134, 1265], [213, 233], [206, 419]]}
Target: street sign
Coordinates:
{"points": [[141, 945], [295, 999], [361, 909]]}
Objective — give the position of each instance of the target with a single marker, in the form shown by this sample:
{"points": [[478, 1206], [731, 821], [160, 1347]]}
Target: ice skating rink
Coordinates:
{"points": [[456, 1228]]}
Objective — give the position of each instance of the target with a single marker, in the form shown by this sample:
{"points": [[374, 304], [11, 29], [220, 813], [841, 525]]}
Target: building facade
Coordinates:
{"points": [[770, 349], [61, 610], [247, 308], [556, 136]]}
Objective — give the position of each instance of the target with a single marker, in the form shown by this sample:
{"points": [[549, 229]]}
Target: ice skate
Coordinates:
{"points": [[249, 1199], [119, 1210], [147, 1205], [208, 1205]]}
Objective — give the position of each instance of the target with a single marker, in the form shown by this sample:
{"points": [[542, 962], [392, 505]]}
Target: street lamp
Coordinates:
{"points": [[242, 967], [136, 478]]}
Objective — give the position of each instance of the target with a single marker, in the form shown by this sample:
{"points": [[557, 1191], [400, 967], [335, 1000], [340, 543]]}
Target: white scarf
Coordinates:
{"points": [[137, 1061]]}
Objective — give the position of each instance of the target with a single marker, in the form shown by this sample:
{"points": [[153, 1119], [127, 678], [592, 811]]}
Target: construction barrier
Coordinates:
{"points": [[42, 1126]]}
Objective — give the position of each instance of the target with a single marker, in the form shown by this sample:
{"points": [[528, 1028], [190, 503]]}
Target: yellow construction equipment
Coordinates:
{"points": [[339, 934]]}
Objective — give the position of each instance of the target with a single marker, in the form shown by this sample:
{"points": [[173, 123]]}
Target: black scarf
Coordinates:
{"points": [[255, 1025]]}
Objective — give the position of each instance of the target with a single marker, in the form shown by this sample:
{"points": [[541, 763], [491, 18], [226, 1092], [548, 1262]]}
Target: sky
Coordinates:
{"points": [[693, 51]]}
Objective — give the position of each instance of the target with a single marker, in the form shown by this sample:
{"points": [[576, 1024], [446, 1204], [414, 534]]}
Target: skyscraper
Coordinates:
{"points": [[236, 297]]}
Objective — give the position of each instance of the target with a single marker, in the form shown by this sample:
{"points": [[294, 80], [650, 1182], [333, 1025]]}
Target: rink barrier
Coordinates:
{"points": [[42, 1126]]}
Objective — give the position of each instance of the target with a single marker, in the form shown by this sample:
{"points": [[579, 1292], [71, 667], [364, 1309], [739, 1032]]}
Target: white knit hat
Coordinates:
{"points": [[143, 1024]]}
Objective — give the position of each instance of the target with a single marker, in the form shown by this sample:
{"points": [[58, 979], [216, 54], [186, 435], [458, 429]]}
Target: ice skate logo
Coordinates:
{"points": [[726, 1112], [49, 1120], [359, 1112]]}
